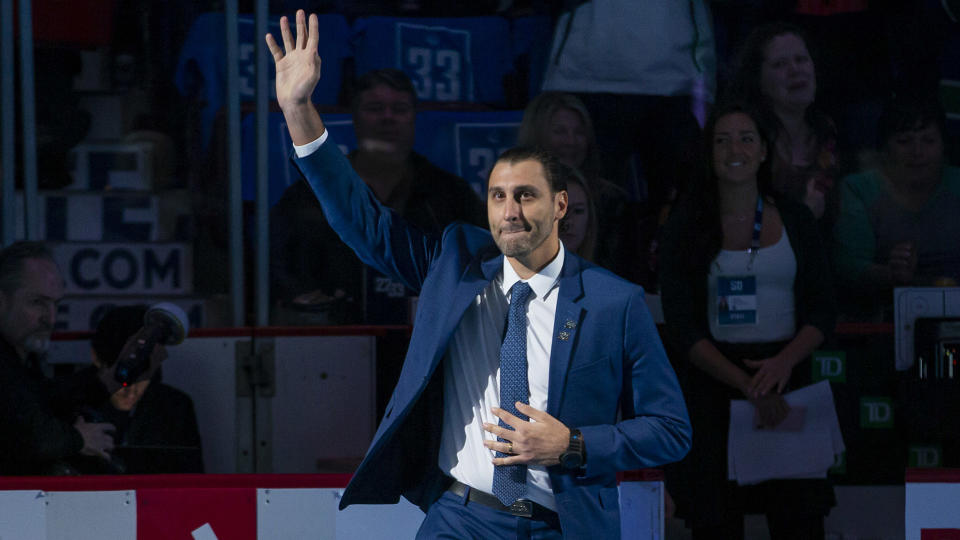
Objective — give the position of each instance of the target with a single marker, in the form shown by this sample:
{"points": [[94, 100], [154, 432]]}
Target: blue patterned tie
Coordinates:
{"points": [[510, 481]]}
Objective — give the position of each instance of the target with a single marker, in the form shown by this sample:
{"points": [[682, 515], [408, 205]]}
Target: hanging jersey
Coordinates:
{"points": [[467, 143], [202, 72], [448, 59]]}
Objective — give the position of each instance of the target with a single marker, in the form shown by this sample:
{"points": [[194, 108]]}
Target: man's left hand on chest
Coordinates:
{"points": [[537, 442]]}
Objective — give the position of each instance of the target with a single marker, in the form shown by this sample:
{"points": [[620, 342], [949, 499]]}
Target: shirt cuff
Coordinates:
{"points": [[311, 147]]}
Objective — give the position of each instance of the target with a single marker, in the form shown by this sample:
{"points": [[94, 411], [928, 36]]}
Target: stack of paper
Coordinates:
{"points": [[795, 449]]}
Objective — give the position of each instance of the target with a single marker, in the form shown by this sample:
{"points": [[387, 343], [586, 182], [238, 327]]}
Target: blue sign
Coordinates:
{"points": [[448, 59], [201, 71], [437, 60], [467, 143]]}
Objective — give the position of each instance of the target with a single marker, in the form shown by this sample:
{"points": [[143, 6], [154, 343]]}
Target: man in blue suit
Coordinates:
{"points": [[597, 394]]}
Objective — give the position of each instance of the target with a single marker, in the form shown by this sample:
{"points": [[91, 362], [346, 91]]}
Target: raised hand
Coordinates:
{"points": [[298, 69]]}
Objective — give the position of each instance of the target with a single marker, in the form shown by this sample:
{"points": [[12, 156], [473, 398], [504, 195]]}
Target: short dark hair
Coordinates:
{"points": [[389, 77], [701, 225], [906, 112], [556, 173], [12, 258], [114, 329]]}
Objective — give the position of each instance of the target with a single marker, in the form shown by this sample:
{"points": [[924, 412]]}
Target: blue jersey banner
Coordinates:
{"points": [[448, 59], [202, 69], [463, 143], [467, 143]]}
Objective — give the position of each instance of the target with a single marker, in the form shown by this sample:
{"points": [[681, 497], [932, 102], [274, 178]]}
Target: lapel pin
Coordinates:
{"points": [[570, 324], [564, 336]]}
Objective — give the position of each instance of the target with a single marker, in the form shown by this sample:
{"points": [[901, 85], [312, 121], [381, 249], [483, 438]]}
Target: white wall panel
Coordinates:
{"points": [[92, 515], [296, 513], [23, 514]]}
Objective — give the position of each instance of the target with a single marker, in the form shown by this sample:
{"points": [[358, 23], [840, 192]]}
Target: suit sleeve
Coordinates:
{"points": [[655, 429], [379, 236]]}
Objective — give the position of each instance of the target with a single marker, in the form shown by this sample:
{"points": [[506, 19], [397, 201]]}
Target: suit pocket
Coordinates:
{"points": [[578, 368], [609, 498]]}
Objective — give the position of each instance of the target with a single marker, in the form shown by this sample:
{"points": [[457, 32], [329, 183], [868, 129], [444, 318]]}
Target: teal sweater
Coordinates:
{"points": [[871, 223]]}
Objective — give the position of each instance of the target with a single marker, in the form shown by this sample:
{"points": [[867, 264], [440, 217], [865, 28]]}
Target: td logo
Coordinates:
{"points": [[876, 412], [922, 455], [830, 366]]}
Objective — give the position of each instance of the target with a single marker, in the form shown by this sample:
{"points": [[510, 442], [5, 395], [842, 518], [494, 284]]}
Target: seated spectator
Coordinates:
{"points": [[40, 427], [899, 223], [578, 227], [156, 427], [560, 123], [775, 71], [316, 278], [746, 299]]}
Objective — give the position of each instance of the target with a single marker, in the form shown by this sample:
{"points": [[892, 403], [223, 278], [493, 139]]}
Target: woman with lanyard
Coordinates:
{"points": [[746, 298]]}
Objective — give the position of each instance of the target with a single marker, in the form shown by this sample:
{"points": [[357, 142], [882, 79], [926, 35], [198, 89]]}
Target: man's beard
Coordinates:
{"points": [[518, 247]]}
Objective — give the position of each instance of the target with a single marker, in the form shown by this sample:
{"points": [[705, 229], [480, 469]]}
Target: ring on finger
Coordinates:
{"points": [[509, 447]]}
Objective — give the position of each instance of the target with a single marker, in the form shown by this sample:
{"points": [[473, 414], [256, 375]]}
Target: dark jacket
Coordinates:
{"points": [[37, 414], [159, 435]]}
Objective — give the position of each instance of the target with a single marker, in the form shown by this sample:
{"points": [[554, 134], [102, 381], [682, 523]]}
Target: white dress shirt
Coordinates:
{"points": [[471, 384], [305, 150]]}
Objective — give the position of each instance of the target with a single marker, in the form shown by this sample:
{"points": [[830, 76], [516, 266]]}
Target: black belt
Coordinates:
{"points": [[520, 508]]}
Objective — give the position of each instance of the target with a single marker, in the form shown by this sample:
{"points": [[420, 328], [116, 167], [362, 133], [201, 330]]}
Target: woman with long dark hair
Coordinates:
{"points": [[776, 72], [746, 298]]}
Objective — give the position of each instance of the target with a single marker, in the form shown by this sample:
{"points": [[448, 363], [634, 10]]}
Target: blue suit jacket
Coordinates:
{"points": [[609, 375]]}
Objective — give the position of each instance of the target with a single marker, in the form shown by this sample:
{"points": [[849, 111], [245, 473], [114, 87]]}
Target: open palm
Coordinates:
{"points": [[298, 69]]}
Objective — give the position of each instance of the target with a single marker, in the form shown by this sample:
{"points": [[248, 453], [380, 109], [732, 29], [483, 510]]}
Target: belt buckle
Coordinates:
{"points": [[522, 508]]}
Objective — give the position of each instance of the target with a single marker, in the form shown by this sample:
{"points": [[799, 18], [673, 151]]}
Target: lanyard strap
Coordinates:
{"points": [[757, 225]]}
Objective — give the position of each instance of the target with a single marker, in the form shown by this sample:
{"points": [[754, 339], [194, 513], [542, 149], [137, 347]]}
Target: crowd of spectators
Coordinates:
{"points": [[630, 125], [778, 192], [743, 227]]}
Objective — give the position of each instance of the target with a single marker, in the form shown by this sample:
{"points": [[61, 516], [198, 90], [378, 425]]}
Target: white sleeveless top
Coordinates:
{"points": [[773, 270]]}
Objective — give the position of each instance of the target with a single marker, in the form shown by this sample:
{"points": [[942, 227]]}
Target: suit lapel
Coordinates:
{"points": [[565, 327]]}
